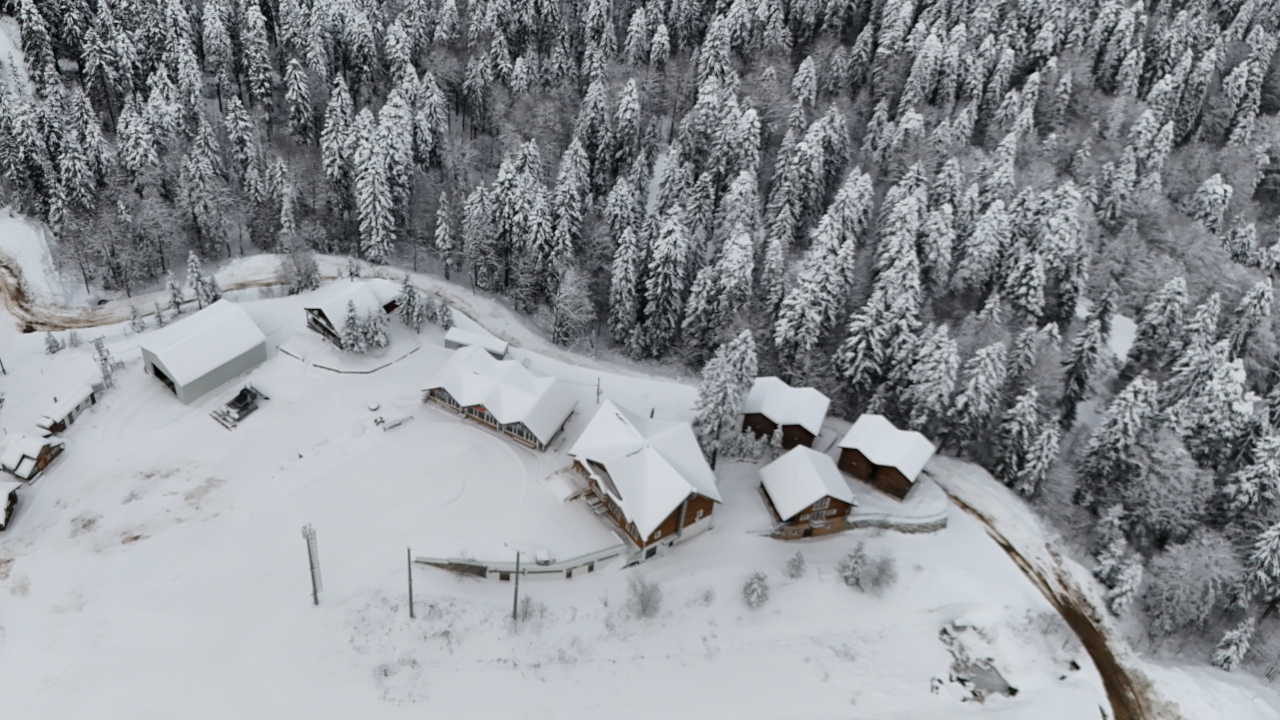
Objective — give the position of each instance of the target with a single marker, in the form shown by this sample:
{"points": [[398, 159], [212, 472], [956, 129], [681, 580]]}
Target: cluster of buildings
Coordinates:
{"points": [[648, 477]]}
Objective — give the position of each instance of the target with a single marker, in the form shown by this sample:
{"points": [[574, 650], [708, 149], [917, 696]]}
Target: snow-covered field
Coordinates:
{"points": [[158, 565]]}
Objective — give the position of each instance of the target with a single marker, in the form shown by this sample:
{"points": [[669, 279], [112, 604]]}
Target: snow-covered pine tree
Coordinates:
{"points": [[352, 336], [159, 313], [1209, 203], [1262, 566], [726, 380], [1234, 645], [373, 193], [1216, 418], [624, 285], [572, 307], [1017, 432], [373, 330], [1258, 482], [1253, 310], [1112, 455], [51, 344], [174, 291], [136, 322], [1038, 460], [979, 395], [409, 305], [930, 379], [1078, 366], [982, 249], [1158, 327], [664, 285]]}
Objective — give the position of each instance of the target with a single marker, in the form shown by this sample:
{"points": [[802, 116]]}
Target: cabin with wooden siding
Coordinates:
{"points": [[26, 457], [805, 494], [878, 453], [503, 396], [647, 476], [327, 315], [773, 404], [9, 500], [66, 410]]}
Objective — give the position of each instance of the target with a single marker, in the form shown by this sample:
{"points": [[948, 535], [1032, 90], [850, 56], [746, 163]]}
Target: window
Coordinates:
{"points": [[657, 534], [697, 515], [822, 504]]}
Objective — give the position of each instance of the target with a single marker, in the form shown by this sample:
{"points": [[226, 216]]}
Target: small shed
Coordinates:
{"points": [[66, 410], [458, 338], [9, 499], [806, 494], [502, 395], [648, 475], [199, 354], [26, 457], [328, 313], [773, 404], [876, 451]]}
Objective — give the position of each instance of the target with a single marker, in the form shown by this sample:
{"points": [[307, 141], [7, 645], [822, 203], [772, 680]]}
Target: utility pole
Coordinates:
{"points": [[313, 557], [515, 600], [409, 556], [597, 391]]}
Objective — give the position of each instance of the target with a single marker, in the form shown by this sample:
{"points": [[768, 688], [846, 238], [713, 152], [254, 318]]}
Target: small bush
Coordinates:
{"points": [[795, 566], [530, 609], [644, 597], [756, 591], [868, 574]]}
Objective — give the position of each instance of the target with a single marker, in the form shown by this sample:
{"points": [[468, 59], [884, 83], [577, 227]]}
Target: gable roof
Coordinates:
{"points": [[786, 405], [508, 390], [23, 447], [802, 477], [884, 444], [332, 301], [649, 465], [492, 343], [193, 346], [65, 406]]}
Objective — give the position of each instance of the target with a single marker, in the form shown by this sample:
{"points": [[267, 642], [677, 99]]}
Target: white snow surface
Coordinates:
{"points": [[884, 444], [195, 345], [509, 391], [801, 477], [157, 567], [785, 405], [24, 243], [458, 336], [652, 464]]}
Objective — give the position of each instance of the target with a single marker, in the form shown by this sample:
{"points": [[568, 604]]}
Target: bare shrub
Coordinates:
{"points": [[530, 609], [644, 597], [756, 590], [866, 573], [795, 566]]}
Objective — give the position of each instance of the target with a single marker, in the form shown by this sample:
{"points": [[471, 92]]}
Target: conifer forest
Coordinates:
{"points": [[938, 210]]}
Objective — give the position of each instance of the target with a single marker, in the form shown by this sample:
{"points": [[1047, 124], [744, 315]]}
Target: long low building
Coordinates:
{"points": [[66, 410], [203, 352], [502, 395], [876, 451], [649, 475]]}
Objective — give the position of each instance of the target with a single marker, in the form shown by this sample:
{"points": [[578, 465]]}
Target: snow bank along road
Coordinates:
{"points": [[1130, 695]]}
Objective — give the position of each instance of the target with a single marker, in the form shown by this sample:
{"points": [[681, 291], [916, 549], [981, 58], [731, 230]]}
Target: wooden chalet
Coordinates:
{"points": [[806, 494], [26, 457], [502, 395], [9, 500], [328, 315], [882, 455], [773, 404], [647, 476], [457, 338], [66, 410]]}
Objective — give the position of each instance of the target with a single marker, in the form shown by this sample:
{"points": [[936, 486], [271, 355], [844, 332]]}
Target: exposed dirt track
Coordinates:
{"points": [[1129, 693]]}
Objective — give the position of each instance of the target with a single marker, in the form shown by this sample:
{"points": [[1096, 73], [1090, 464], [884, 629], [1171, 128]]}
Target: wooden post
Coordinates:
{"points": [[313, 557], [515, 600], [409, 556]]}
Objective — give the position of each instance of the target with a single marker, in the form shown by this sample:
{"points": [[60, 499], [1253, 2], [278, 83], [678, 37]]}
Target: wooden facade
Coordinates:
{"points": [[10, 501], [792, 435], [694, 509], [825, 516], [887, 479], [516, 431]]}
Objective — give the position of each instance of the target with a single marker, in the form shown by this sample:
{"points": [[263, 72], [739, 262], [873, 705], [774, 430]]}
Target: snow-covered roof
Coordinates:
{"points": [[802, 477], [6, 487], [332, 301], [194, 346], [508, 390], [786, 405], [65, 406], [20, 454], [649, 465], [883, 444], [463, 338]]}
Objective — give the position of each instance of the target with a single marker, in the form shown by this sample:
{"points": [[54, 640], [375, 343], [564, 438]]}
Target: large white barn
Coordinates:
{"points": [[200, 353]]}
